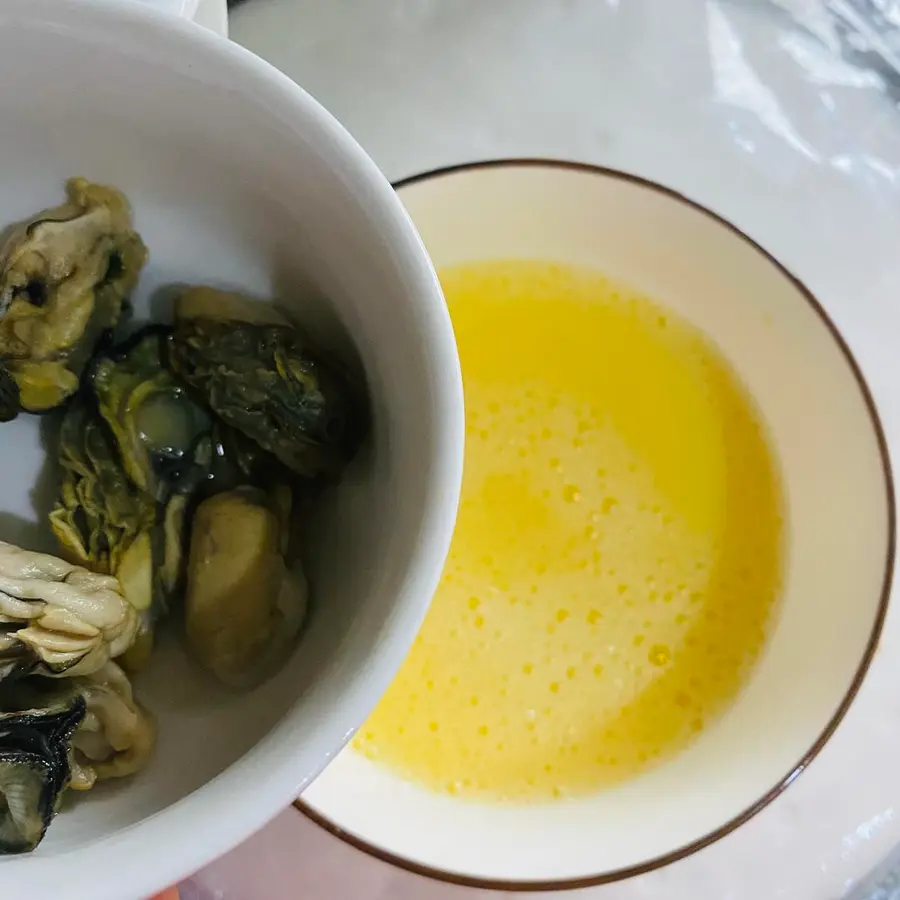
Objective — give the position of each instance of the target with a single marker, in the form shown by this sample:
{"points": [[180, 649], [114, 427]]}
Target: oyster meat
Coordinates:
{"points": [[105, 524], [116, 736], [164, 438], [57, 618], [261, 376], [164, 441], [99, 515], [64, 276], [34, 770], [135, 448], [244, 606]]}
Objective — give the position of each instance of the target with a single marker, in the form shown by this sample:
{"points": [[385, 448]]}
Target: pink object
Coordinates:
{"points": [[293, 859]]}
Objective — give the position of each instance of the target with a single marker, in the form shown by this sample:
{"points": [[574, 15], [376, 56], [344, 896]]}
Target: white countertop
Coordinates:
{"points": [[213, 14]]}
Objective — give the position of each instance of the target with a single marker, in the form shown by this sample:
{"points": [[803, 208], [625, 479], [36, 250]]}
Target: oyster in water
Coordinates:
{"points": [[167, 449], [244, 606], [116, 736], [261, 376], [105, 524], [132, 450], [34, 770], [57, 618], [99, 515], [164, 438], [64, 275]]}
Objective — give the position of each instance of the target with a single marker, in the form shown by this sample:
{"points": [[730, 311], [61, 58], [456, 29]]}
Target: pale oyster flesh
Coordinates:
{"points": [[64, 276], [116, 736], [57, 618], [244, 606]]}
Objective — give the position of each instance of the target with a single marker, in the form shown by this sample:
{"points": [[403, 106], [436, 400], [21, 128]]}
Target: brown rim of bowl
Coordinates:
{"points": [[689, 849]]}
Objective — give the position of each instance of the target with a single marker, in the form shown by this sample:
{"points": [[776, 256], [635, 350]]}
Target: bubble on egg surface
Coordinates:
{"points": [[616, 558]]}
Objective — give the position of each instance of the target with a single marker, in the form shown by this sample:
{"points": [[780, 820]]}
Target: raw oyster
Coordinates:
{"points": [[163, 437], [244, 606], [57, 618], [64, 276], [116, 736], [260, 375], [99, 515], [108, 526]]}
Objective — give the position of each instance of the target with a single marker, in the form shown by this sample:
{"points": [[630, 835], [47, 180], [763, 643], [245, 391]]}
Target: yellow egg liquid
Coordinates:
{"points": [[618, 550]]}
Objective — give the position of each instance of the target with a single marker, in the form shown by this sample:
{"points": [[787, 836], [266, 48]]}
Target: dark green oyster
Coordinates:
{"points": [[261, 376]]}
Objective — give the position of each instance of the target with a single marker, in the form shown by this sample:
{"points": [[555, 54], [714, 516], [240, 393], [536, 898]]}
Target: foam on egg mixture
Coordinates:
{"points": [[618, 550]]}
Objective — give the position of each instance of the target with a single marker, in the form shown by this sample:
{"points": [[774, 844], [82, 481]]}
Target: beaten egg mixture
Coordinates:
{"points": [[617, 554]]}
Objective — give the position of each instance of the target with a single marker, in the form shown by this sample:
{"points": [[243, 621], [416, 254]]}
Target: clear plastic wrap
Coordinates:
{"points": [[782, 115]]}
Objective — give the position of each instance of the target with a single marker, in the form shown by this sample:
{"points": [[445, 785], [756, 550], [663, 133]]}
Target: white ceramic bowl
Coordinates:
{"points": [[237, 178], [840, 535]]}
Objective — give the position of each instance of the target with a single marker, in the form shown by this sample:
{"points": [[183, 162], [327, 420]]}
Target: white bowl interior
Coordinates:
{"points": [[240, 180], [839, 530]]}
